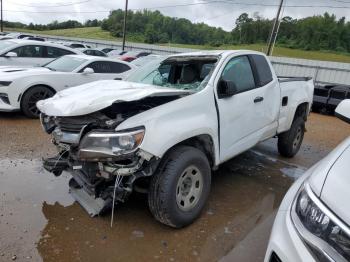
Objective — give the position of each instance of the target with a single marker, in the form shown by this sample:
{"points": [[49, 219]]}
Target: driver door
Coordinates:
{"points": [[240, 120]]}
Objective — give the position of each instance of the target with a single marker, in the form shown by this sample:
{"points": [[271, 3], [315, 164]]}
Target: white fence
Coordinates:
{"points": [[323, 72]]}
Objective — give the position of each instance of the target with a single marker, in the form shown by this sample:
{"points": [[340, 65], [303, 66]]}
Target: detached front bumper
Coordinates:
{"points": [[285, 243]]}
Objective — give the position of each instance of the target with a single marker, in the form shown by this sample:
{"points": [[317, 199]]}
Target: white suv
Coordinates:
{"points": [[313, 221]]}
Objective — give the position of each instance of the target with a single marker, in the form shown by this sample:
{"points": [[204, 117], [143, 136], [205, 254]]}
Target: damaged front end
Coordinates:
{"points": [[97, 156]]}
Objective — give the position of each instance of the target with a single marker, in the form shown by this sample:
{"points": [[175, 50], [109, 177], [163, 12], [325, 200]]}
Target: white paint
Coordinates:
{"points": [[243, 124], [29, 61], [329, 180]]}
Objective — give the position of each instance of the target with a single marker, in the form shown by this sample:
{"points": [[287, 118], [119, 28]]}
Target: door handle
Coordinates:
{"points": [[258, 99]]}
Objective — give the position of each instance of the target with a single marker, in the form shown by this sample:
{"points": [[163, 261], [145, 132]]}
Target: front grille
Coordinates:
{"points": [[72, 124], [4, 98]]}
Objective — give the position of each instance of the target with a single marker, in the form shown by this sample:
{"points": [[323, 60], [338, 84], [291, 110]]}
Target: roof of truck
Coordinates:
{"points": [[215, 53]]}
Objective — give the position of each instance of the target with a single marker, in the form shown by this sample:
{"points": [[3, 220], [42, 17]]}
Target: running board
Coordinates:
{"points": [[94, 206]]}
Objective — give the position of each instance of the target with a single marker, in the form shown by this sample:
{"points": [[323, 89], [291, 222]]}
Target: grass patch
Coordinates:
{"points": [[98, 33], [84, 32], [279, 51]]}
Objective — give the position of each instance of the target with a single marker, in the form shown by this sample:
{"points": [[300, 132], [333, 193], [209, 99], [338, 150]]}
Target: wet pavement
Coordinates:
{"points": [[39, 220]]}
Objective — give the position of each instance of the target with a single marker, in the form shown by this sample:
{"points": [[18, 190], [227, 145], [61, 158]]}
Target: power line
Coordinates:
{"points": [[188, 4], [56, 5]]}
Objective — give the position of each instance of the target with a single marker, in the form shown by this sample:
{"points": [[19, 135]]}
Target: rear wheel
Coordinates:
{"points": [[180, 187], [33, 95], [289, 142]]}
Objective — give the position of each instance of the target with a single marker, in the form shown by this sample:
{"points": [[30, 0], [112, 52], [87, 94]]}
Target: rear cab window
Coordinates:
{"points": [[262, 70]]}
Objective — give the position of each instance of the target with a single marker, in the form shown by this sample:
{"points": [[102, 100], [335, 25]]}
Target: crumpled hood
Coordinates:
{"points": [[92, 97], [13, 72]]}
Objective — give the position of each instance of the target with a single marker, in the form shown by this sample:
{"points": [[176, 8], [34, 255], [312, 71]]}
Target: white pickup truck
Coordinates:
{"points": [[164, 129]]}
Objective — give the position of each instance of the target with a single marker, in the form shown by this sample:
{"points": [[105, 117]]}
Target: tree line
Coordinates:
{"points": [[54, 25], [322, 32]]}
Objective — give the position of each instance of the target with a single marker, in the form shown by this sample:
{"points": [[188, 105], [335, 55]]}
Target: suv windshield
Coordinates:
{"points": [[188, 73], [65, 63]]}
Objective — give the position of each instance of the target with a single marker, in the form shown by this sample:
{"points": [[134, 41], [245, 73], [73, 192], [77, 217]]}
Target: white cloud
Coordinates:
{"points": [[216, 14]]}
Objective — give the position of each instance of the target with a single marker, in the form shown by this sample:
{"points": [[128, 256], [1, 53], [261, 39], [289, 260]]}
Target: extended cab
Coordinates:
{"points": [[164, 129]]}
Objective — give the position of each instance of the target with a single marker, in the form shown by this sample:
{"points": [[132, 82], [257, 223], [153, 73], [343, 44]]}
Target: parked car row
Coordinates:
{"points": [[328, 97], [127, 56], [21, 88]]}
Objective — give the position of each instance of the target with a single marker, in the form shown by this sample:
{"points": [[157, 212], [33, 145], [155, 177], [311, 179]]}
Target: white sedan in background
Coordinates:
{"points": [[313, 221], [21, 88], [19, 52]]}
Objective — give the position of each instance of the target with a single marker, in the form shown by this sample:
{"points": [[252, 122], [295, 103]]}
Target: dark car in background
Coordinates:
{"points": [[328, 97]]}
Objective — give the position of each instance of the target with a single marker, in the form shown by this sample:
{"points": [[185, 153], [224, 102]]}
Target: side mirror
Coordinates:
{"points": [[343, 110], [11, 54], [88, 71], [226, 89]]}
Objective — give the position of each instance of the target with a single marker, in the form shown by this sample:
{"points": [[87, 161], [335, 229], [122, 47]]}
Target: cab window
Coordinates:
{"points": [[239, 71]]}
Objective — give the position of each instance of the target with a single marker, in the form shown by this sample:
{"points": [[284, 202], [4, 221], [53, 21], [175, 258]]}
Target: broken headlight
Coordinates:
{"points": [[47, 123], [325, 234], [96, 146]]}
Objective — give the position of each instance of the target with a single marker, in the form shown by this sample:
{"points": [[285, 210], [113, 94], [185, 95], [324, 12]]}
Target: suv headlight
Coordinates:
{"points": [[104, 145], [324, 233]]}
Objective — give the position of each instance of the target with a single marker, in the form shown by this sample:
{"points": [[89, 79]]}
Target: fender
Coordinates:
{"points": [[177, 121]]}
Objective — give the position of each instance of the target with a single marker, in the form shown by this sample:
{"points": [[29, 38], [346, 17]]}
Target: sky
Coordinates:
{"points": [[219, 13]]}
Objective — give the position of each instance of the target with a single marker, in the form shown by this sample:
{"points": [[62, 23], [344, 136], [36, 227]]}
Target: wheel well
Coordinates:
{"points": [[21, 96], [301, 111], [204, 143]]}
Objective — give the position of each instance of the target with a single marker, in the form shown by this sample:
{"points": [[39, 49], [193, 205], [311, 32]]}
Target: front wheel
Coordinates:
{"points": [[33, 95], [289, 142], [180, 187]]}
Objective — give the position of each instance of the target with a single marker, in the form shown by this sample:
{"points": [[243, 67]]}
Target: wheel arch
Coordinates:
{"points": [[302, 111], [204, 143], [20, 98]]}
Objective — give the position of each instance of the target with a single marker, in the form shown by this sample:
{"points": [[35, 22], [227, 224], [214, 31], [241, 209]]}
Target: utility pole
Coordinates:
{"points": [[274, 30], [124, 25], [2, 26]]}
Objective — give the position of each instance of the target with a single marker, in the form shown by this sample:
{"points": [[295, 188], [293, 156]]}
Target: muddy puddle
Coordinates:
{"points": [[40, 221]]}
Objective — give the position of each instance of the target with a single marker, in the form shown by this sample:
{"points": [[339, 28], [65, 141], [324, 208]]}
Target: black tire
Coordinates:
{"points": [[31, 96], [289, 142], [164, 189]]}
